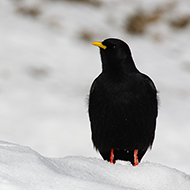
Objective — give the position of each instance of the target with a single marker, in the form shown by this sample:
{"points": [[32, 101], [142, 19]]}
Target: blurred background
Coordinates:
{"points": [[47, 65]]}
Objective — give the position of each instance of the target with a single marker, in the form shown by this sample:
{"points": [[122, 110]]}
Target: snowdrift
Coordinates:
{"points": [[24, 169]]}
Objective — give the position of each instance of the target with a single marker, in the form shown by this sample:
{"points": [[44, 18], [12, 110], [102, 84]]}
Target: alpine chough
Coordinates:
{"points": [[123, 105]]}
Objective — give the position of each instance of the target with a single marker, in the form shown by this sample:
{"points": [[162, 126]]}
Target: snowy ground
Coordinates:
{"points": [[29, 170], [46, 69]]}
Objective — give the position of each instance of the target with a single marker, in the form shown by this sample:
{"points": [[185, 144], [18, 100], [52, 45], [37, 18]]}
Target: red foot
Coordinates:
{"points": [[136, 157], [111, 157]]}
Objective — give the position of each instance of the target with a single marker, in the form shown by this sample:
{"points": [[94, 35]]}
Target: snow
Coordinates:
{"points": [[23, 168], [46, 70]]}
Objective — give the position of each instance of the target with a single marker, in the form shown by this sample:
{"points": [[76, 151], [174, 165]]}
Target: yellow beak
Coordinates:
{"points": [[99, 44]]}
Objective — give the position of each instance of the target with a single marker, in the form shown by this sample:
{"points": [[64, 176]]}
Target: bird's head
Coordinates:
{"points": [[115, 55]]}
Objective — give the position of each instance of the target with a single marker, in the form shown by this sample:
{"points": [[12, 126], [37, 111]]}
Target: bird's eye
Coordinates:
{"points": [[114, 47]]}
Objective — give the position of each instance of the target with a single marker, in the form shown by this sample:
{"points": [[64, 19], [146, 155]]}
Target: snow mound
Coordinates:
{"points": [[24, 169]]}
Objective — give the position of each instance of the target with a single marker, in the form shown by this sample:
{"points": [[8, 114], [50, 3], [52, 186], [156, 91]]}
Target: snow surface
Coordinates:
{"points": [[22, 168], [46, 70]]}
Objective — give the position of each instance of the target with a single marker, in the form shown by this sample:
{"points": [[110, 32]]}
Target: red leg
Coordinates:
{"points": [[111, 157], [136, 157]]}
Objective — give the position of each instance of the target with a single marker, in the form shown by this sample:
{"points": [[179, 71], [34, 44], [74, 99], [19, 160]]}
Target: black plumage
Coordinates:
{"points": [[122, 105]]}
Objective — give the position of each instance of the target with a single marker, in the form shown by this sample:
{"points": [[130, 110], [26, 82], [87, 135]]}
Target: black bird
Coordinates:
{"points": [[123, 105]]}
